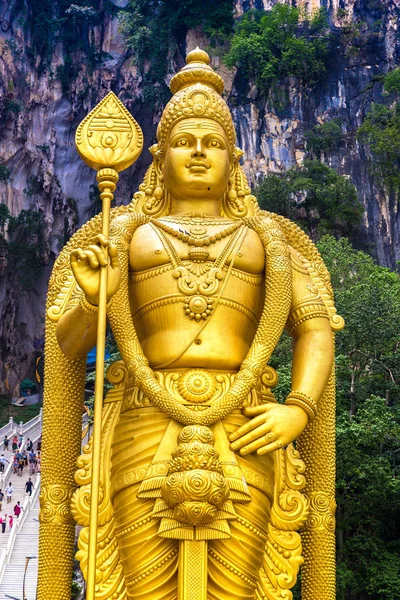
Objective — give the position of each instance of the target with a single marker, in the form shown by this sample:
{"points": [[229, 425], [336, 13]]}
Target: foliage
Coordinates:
{"points": [[34, 185], [325, 137], [154, 28], [316, 196], [76, 590], [4, 174], [368, 506], [11, 106], [381, 132], [27, 247], [392, 82], [19, 413], [72, 25], [4, 215], [269, 46], [368, 297], [368, 429], [27, 385]]}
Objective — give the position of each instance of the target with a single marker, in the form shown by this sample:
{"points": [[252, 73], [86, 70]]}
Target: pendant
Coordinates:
{"points": [[198, 307], [198, 254]]}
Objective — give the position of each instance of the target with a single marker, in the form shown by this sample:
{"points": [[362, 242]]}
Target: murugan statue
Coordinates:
{"points": [[202, 492]]}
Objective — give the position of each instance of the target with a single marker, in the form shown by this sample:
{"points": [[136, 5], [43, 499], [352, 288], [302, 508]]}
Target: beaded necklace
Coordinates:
{"points": [[197, 236], [196, 219]]}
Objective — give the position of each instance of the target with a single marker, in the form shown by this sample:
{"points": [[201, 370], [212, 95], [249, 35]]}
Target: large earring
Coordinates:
{"points": [[152, 199], [234, 204], [155, 192]]}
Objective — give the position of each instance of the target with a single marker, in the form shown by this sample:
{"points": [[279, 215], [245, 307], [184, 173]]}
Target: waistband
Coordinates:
{"points": [[199, 388]]}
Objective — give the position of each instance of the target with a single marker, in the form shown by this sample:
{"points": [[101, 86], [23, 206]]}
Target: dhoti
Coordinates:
{"points": [[149, 561]]}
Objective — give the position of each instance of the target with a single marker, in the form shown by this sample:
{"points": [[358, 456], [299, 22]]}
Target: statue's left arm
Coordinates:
{"points": [[271, 425], [310, 328]]}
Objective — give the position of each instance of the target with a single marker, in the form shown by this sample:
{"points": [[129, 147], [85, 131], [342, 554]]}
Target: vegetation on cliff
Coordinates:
{"points": [[381, 132], [270, 45], [26, 246], [315, 196], [155, 29]]}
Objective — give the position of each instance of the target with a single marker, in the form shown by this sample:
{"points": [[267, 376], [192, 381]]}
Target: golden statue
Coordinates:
{"points": [[202, 493]]}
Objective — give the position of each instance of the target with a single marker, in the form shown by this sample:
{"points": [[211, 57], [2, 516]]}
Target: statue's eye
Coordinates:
{"points": [[214, 144], [182, 143]]}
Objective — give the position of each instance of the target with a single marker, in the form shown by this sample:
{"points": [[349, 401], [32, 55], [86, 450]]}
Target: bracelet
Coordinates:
{"points": [[304, 401], [89, 309]]}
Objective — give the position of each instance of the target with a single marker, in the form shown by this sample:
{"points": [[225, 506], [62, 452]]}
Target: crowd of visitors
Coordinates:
{"points": [[24, 458]]}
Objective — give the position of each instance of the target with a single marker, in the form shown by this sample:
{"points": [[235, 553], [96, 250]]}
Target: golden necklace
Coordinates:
{"points": [[196, 219], [199, 304], [197, 236]]}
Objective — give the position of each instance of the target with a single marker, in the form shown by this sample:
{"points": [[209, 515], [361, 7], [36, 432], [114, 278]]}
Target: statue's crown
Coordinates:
{"points": [[197, 90], [197, 70]]}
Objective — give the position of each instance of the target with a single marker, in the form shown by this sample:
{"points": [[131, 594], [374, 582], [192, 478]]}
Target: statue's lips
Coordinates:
{"points": [[197, 167]]}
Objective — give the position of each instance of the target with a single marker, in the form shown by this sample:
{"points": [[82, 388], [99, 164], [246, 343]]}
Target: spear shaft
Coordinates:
{"points": [[107, 179]]}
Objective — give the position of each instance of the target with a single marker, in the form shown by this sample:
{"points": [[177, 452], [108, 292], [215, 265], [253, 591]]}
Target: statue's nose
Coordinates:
{"points": [[199, 149]]}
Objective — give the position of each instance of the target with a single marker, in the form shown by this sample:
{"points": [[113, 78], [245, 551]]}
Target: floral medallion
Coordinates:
{"points": [[197, 386]]}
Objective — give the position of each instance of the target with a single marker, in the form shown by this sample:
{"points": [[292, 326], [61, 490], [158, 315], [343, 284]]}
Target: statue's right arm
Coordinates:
{"points": [[77, 328]]}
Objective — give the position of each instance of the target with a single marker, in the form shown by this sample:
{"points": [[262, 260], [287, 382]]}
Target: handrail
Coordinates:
{"points": [[7, 473], [6, 429], [12, 426]]}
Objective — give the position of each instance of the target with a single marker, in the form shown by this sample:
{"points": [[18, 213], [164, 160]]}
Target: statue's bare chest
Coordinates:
{"points": [[152, 247]]}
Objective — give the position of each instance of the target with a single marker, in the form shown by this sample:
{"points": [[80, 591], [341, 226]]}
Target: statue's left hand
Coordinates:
{"points": [[271, 427]]}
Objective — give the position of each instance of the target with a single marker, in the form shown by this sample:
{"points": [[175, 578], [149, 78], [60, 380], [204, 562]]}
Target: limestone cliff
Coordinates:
{"points": [[41, 106]]}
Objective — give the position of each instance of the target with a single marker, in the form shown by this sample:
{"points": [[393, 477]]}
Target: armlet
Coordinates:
{"points": [[305, 312]]}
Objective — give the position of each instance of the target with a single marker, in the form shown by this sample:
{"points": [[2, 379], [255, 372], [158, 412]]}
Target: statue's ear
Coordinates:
{"points": [[238, 153]]}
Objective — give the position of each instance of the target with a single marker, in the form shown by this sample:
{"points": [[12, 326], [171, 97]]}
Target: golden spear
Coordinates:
{"points": [[108, 140]]}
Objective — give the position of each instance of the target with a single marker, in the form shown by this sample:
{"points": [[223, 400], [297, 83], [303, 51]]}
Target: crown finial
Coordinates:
{"points": [[198, 55], [197, 70]]}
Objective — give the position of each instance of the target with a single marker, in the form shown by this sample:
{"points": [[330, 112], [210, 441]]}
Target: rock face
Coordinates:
{"points": [[40, 114]]}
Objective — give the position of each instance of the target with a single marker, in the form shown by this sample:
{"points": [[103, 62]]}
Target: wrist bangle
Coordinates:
{"points": [[304, 401], [89, 309]]}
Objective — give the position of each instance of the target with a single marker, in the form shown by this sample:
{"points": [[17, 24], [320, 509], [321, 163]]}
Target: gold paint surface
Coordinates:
{"points": [[202, 494]]}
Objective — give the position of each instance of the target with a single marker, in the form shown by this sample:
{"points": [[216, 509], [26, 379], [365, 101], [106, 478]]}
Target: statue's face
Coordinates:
{"points": [[196, 164]]}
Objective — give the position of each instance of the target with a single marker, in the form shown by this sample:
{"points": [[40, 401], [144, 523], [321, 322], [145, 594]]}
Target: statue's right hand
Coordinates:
{"points": [[86, 266]]}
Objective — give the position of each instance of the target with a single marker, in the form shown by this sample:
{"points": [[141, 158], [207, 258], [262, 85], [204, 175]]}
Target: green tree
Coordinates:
{"points": [[325, 137], [270, 45], [153, 30], [368, 428], [380, 131], [316, 196], [5, 216], [28, 247], [4, 174]]}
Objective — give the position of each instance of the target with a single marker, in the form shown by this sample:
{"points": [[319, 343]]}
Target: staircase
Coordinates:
{"points": [[26, 544]]}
